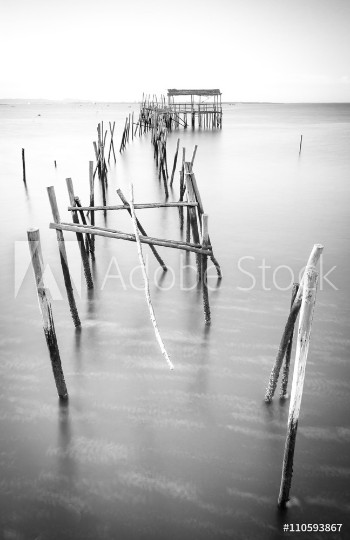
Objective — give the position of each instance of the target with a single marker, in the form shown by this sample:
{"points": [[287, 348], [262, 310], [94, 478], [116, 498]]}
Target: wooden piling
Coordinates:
{"points": [[46, 312], [195, 227], [63, 257], [146, 282], [301, 142], [142, 230], [205, 243], [313, 259], [24, 166], [111, 144], [175, 162], [182, 175], [194, 155], [304, 331], [285, 373], [88, 243], [92, 201], [80, 238]]}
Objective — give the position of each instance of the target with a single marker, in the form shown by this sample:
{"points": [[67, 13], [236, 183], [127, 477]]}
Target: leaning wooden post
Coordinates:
{"points": [[205, 245], [304, 331], [285, 374], [80, 237], [313, 259], [146, 282], [194, 154], [24, 166], [142, 230], [46, 312], [182, 175], [63, 257], [174, 164], [92, 201], [194, 216], [88, 243]]}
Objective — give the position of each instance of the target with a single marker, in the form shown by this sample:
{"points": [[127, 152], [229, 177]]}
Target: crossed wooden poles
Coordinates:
{"points": [[200, 246]]}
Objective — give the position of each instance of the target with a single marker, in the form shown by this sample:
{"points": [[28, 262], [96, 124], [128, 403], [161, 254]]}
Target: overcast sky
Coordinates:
{"points": [[113, 50]]}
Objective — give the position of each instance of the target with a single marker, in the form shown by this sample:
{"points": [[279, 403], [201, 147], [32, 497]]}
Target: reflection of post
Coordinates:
{"points": [[304, 331], [46, 312]]}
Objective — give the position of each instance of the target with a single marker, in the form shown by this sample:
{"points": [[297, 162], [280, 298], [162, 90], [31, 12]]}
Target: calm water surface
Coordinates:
{"points": [[141, 452]]}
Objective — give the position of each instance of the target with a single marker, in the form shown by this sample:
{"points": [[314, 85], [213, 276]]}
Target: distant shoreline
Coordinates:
{"points": [[29, 101]]}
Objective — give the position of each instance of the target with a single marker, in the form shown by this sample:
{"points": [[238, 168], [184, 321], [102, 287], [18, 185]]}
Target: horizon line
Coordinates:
{"points": [[93, 101]]}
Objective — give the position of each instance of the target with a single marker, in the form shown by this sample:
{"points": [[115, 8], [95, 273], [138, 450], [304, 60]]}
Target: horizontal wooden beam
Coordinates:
{"points": [[111, 233], [136, 206]]}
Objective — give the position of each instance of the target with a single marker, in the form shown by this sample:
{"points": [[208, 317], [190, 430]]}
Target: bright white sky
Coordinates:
{"points": [[113, 50]]}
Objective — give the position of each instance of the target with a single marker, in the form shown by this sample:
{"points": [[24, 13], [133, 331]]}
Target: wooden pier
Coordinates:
{"points": [[205, 105], [182, 108]]}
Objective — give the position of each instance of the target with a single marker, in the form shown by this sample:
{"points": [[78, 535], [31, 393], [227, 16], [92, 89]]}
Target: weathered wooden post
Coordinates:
{"points": [[63, 257], [301, 143], [88, 243], [46, 312], [80, 238], [205, 245], [191, 197], [175, 161], [111, 144], [304, 331], [194, 155], [92, 199], [313, 259], [24, 166]]}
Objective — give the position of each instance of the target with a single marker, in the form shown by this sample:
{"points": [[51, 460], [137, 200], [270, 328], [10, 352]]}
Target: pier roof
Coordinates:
{"points": [[211, 92]]}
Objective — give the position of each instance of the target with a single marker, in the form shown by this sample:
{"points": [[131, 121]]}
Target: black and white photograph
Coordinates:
{"points": [[175, 262]]}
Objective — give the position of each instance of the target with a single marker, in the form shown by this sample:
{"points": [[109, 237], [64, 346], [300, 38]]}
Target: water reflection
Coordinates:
{"points": [[66, 464]]}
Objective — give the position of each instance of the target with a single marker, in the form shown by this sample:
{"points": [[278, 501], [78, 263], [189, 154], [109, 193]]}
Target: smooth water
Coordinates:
{"points": [[139, 451]]}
